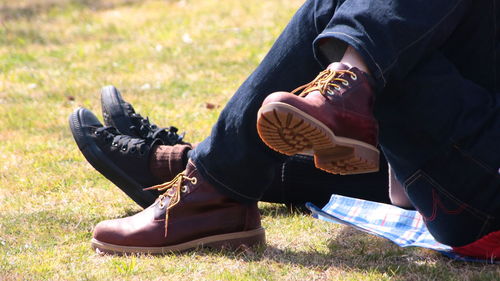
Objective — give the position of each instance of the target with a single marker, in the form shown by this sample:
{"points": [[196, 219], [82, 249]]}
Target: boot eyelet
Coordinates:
{"points": [[133, 149], [160, 203], [336, 87], [115, 144], [330, 92], [194, 180], [97, 133], [345, 83], [184, 189], [354, 77], [124, 148]]}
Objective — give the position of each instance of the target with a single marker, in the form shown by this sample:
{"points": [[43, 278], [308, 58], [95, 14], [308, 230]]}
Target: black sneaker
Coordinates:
{"points": [[122, 159], [120, 114]]}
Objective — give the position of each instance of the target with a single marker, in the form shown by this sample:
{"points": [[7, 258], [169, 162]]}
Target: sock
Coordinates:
{"points": [[167, 161]]}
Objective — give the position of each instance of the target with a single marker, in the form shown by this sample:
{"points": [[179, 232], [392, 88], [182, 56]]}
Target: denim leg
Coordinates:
{"points": [[436, 68], [441, 134], [233, 158], [393, 36], [297, 181]]}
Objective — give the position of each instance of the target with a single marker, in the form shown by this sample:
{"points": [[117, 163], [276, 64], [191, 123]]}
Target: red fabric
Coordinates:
{"points": [[488, 247]]}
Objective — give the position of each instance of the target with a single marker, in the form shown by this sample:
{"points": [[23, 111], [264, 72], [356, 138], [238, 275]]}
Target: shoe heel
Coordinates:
{"points": [[240, 243], [347, 160]]}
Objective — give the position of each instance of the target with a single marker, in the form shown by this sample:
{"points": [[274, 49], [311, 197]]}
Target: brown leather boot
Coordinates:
{"points": [[189, 214], [331, 119]]}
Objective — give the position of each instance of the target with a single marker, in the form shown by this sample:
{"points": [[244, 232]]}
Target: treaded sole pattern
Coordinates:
{"points": [[291, 131], [231, 241]]}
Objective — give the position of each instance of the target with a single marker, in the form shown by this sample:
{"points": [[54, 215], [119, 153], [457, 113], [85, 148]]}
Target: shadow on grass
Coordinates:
{"points": [[32, 9], [361, 252], [365, 253], [269, 209], [281, 210], [349, 250]]}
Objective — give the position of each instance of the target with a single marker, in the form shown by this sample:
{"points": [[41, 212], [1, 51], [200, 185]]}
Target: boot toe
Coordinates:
{"points": [[111, 232], [278, 97], [141, 229]]}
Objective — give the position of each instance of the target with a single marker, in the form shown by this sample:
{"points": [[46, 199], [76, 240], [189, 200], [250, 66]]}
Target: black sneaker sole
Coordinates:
{"points": [[103, 164], [113, 111]]}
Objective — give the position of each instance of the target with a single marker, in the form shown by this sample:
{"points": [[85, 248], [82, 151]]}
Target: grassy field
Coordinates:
{"points": [[169, 58]]}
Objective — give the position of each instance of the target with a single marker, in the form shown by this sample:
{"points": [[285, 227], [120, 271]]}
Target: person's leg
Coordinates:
{"points": [[437, 121], [393, 36], [297, 182], [233, 158], [440, 132], [333, 118]]}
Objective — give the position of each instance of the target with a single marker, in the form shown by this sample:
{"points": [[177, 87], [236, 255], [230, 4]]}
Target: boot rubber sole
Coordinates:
{"points": [[230, 241], [288, 130]]}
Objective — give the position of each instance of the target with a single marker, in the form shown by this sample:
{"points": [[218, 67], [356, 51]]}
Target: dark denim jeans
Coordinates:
{"points": [[438, 104], [297, 181]]}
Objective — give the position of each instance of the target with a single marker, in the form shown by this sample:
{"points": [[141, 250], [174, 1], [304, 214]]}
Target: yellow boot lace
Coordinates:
{"points": [[323, 83], [173, 190]]}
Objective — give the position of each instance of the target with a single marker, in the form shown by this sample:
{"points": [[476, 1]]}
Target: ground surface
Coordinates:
{"points": [[170, 59]]}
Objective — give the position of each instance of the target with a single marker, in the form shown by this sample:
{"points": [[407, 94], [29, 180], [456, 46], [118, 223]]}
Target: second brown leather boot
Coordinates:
{"points": [[331, 119], [189, 214]]}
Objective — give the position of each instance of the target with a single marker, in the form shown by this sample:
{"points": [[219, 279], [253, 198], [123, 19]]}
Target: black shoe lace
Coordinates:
{"points": [[143, 128], [123, 142]]}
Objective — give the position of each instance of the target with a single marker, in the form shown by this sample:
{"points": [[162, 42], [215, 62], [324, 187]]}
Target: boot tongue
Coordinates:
{"points": [[338, 66]]}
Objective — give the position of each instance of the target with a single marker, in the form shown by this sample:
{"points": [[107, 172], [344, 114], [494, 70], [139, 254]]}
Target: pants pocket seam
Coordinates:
{"points": [[421, 174], [485, 221]]}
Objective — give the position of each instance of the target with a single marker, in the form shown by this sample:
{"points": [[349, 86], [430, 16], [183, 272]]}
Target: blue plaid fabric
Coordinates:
{"points": [[403, 227]]}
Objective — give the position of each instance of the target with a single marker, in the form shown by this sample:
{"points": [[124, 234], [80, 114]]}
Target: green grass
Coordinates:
{"points": [[169, 58]]}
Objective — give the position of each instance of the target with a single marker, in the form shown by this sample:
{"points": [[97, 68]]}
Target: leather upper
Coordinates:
{"points": [[347, 110], [201, 211]]}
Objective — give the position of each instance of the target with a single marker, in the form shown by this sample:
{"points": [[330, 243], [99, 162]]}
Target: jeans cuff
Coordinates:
{"points": [[334, 51]]}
